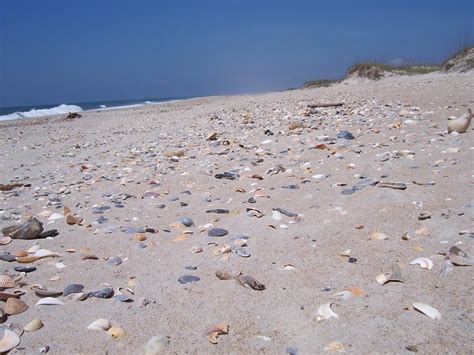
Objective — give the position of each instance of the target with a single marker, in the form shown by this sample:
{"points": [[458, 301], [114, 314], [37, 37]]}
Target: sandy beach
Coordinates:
{"points": [[313, 216]]}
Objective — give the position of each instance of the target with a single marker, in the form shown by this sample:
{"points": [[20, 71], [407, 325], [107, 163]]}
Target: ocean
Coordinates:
{"points": [[15, 112]]}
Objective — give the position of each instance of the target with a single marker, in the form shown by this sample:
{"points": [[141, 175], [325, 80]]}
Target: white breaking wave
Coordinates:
{"points": [[42, 112]]}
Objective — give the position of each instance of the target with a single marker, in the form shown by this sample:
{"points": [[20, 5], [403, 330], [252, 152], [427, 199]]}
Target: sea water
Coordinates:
{"points": [[15, 112]]}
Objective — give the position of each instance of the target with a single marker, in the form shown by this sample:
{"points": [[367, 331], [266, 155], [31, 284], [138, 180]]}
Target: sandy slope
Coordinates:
{"points": [[122, 151]]}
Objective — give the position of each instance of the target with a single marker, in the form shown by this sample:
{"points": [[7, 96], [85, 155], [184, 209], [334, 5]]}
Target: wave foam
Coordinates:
{"points": [[42, 112]]}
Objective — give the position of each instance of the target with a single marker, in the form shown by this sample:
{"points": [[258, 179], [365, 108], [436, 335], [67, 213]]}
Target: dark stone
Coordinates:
{"points": [[217, 232], [345, 135]]}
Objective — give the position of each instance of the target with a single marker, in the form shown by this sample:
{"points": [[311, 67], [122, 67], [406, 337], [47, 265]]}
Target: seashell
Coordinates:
{"points": [[81, 296], [29, 230], [9, 340], [335, 346], [6, 282], [33, 326], [395, 275], [5, 296], [180, 238], [288, 267], [196, 250], [100, 324], [459, 257], [217, 232], [431, 312], [33, 249], [56, 216], [216, 330], [346, 252], [378, 236], [5, 240], [14, 306], [140, 237], [242, 252], [71, 220], [73, 288], [49, 301], [188, 279], [222, 250], [253, 212], [325, 312], [106, 292], [249, 282], [21, 253], [156, 345], [45, 213], [461, 124], [424, 263], [277, 216], [212, 136], [405, 236], [223, 275], [43, 292], [117, 332], [44, 253]]}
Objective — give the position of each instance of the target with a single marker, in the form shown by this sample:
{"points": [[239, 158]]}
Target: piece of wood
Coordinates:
{"points": [[335, 104]]}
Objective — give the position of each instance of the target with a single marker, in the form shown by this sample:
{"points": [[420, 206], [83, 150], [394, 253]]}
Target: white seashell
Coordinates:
{"points": [[325, 312], [49, 301], [461, 124], [34, 249], [424, 263], [277, 216], [156, 345], [41, 253], [56, 216], [33, 326], [100, 324], [378, 236], [431, 312], [9, 341], [284, 226]]}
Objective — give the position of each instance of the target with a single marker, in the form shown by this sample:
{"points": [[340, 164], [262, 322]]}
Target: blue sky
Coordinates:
{"points": [[64, 51]]}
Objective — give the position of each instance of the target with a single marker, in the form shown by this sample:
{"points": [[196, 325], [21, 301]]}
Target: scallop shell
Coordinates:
{"points": [[49, 301], [6, 282], [431, 312], [117, 332], [9, 341], [325, 312], [33, 326], [424, 263], [14, 306], [100, 324]]}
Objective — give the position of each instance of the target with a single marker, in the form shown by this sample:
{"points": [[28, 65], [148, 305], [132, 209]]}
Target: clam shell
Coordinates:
{"points": [[9, 340], [100, 324], [49, 301], [424, 263], [431, 312], [21, 253], [73, 288], [325, 312], [14, 306], [33, 326], [5, 240], [117, 332], [277, 216], [378, 236], [45, 293], [6, 282]]}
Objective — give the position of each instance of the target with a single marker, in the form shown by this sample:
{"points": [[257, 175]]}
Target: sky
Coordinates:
{"points": [[67, 51]]}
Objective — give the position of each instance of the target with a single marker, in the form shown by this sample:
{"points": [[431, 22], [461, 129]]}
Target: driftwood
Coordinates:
{"points": [[336, 104]]}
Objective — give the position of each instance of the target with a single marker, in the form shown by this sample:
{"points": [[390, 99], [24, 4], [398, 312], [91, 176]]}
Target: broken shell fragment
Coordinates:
{"points": [[117, 333], [222, 250], [223, 275], [33, 326], [426, 309], [249, 282], [100, 324], [156, 345], [424, 263], [6, 282], [325, 312], [9, 341], [216, 330], [395, 275]]}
